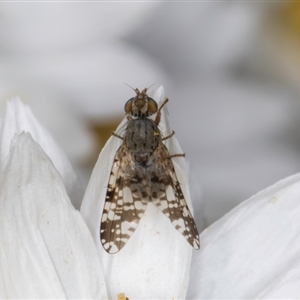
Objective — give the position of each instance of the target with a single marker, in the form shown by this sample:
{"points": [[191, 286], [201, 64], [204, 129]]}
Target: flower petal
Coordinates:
{"points": [[155, 262], [253, 251], [46, 249], [18, 117]]}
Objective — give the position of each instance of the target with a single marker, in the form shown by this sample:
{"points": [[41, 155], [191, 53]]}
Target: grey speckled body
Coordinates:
{"points": [[142, 138]]}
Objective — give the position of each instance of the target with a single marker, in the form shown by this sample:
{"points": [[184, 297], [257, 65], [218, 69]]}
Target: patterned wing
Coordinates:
{"points": [[167, 195], [125, 203]]}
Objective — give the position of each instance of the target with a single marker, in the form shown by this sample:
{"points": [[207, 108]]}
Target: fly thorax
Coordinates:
{"points": [[141, 138]]}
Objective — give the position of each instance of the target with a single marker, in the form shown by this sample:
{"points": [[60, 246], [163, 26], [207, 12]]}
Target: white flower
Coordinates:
{"points": [[47, 250]]}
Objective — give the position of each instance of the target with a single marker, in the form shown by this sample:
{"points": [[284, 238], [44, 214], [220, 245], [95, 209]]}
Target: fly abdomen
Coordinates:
{"points": [[142, 157]]}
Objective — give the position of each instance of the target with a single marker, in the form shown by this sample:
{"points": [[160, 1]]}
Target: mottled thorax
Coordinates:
{"points": [[141, 139]]}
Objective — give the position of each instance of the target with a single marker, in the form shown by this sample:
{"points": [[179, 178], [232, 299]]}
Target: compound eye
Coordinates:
{"points": [[152, 106], [128, 106]]}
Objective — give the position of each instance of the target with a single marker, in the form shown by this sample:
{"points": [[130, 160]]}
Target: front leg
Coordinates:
{"points": [[118, 136], [158, 114]]}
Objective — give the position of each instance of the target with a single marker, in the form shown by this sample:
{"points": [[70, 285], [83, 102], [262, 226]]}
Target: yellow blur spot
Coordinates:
{"points": [[122, 296]]}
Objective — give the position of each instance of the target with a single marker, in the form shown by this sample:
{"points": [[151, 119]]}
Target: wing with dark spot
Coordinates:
{"points": [[167, 195], [125, 203]]}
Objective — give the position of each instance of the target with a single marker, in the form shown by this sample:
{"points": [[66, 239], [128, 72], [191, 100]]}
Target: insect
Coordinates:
{"points": [[143, 172]]}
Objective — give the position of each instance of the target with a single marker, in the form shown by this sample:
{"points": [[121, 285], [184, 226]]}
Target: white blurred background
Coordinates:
{"points": [[230, 69]]}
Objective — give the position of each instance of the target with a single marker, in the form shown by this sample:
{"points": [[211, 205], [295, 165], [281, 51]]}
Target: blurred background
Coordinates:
{"points": [[230, 69]]}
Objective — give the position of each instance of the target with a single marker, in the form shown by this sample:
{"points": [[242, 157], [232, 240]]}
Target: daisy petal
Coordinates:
{"points": [[18, 117], [46, 249], [253, 251]]}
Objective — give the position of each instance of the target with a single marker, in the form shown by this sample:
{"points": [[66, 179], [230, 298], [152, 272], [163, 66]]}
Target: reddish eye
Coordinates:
{"points": [[152, 106], [128, 106]]}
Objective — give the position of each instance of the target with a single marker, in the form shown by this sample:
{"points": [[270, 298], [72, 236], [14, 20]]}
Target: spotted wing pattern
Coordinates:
{"points": [[128, 193], [125, 203], [167, 195]]}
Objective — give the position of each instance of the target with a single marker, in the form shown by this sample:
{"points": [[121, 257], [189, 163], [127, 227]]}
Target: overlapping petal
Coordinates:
{"points": [[18, 117], [46, 249]]}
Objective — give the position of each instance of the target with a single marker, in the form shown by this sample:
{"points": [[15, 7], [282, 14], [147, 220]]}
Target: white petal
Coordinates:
{"points": [[46, 249], [18, 117], [155, 262], [253, 251]]}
